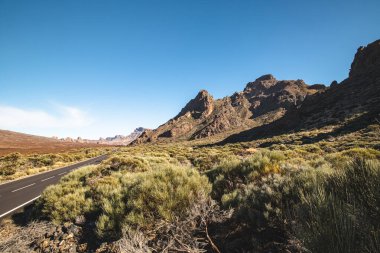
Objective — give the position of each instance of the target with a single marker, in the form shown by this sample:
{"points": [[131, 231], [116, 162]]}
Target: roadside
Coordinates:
{"points": [[16, 166]]}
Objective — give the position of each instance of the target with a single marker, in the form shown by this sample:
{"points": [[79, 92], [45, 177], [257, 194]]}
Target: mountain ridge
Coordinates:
{"points": [[268, 104]]}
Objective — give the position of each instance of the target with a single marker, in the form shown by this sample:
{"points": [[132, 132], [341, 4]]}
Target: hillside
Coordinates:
{"points": [[348, 106], [261, 102], [269, 107], [24, 143]]}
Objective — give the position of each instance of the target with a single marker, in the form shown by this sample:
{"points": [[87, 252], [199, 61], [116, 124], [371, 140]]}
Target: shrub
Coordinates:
{"points": [[109, 200], [7, 170], [116, 163], [231, 173], [69, 199], [141, 199], [162, 194], [343, 211], [362, 153]]}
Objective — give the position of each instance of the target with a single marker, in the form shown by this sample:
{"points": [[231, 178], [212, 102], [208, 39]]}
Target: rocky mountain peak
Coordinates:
{"points": [[202, 94], [263, 82], [267, 77], [139, 130], [366, 63], [200, 106]]}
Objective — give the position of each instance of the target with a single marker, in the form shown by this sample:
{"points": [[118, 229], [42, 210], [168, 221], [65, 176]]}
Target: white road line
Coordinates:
{"points": [[23, 187], [17, 207], [47, 178], [62, 173]]}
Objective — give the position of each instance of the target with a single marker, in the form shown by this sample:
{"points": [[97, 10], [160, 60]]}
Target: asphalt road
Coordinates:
{"points": [[17, 194]]}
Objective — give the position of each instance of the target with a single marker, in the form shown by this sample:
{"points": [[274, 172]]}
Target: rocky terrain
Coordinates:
{"points": [[269, 106], [348, 106], [262, 101]]}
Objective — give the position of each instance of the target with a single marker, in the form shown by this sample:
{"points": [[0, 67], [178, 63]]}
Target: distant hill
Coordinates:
{"points": [[24, 143], [269, 106], [121, 139]]}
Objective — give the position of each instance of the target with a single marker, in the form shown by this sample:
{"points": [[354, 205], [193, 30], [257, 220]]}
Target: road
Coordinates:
{"points": [[16, 194]]}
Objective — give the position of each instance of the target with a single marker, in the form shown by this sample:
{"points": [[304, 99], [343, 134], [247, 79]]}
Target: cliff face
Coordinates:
{"points": [[358, 94]]}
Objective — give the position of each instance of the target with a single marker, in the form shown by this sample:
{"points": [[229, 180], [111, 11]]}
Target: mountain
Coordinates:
{"points": [[121, 139], [350, 105], [268, 105], [25, 143], [262, 101]]}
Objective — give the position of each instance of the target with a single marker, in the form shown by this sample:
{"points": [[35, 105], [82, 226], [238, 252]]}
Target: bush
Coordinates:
{"points": [[69, 199], [131, 164], [343, 211], [231, 173], [121, 199], [162, 194], [7, 170]]}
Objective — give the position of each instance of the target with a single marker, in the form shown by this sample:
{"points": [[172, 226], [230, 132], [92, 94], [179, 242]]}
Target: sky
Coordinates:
{"points": [[97, 68]]}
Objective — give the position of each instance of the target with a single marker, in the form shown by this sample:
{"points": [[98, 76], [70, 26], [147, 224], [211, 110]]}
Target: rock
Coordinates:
{"points": [[201, 106], [366, 62], [333, 84], [317, 87], [80, 220]]}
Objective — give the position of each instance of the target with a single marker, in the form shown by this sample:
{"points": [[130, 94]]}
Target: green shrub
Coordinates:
{"points": [[130, 163], [69, 199], [109, 200], [231, 173], [342, 211], [366, 153], [122, 198], [163, 193]]}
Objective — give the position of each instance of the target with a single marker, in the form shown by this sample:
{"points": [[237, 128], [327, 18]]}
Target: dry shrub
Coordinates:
{"points": [[182, 234]]}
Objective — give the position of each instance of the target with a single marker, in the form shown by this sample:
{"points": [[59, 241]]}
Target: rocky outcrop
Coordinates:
{"points": [[366, 63], [200, 106], [358, 94]]}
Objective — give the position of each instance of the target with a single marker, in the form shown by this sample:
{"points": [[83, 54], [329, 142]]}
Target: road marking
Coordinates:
{"points": [[47, 178], [23, 187], [17, 207], [62, 173]]}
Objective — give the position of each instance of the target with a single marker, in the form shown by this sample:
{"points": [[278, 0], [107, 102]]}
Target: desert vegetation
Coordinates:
{"points": [[288, 197], [17, 165]]}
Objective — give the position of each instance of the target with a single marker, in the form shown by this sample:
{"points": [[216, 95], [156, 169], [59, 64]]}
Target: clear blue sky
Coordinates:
{"points": [[96, 68]]}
